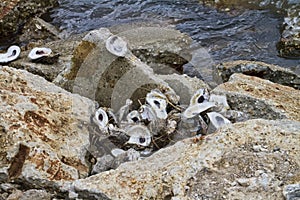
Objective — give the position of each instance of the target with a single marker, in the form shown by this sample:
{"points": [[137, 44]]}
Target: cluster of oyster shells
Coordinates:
{"points": [[157, 123], [37, 54]]}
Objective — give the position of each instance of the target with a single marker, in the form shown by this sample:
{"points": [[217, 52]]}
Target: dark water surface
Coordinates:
{"points": [[237, 34]]}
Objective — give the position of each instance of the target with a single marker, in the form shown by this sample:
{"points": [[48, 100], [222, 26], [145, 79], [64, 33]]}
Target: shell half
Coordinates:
{"points": [[200, 96], [116, 46], [196, 109], [217, 120], [12, 53], [139, 135], [39, 52], [158, 102], [101, 119]]}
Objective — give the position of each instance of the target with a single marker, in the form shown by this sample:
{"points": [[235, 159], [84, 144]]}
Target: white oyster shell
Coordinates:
{"points": [[39, 52], [158, 102], [139, 135], [200, 96], [217, 120], [101, 119], [116, 46], [147, 113], [133, 117], [12, 53], [196, 109]]}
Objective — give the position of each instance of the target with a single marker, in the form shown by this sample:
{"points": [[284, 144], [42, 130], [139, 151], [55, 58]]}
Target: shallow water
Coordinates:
{"points": [[237, 34]]}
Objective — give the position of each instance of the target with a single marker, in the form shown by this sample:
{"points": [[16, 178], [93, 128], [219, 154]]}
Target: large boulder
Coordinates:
{"points": [[248, 160], [43, 130], [14, 13], [263, 70], [260, 98]]}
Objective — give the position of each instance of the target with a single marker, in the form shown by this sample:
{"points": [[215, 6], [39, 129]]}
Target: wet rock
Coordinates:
{"points": [[260, 98], [43, 130], [270, 72], [208, 167], [14, 13], [292, 192]]}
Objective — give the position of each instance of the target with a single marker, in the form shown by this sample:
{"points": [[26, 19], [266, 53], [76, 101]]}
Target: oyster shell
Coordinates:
{"points": [[116, 46], [139, 135], [196, 109], [200, 96], [39, 52], [12, 53], [133, 117], [158, 102], [101, 119], [216, 121]]}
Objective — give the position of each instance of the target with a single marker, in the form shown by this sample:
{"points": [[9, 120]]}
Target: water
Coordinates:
{"points": [[238, 34]]}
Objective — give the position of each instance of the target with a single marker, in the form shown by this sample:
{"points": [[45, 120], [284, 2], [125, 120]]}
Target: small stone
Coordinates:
{"points": [[292, 192]]}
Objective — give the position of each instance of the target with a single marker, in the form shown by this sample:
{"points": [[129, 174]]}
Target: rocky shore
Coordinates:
{"points": [[46, 111], [47, 106]]}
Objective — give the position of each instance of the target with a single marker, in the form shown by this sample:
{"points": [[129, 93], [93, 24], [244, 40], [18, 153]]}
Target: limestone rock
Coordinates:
{"points": [[221, 165], [270, 72], [43, 130], [260, 98]]}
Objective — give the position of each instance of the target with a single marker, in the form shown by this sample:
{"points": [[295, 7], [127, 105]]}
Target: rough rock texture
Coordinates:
{"points": [[261, 98], [65, 50], [14, 13], [43, 130], [248, 160], [270, 72], [289, 44]]}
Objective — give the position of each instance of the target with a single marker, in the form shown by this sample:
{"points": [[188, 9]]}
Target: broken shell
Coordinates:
{"points": [[139, 135], [101, 119], [147, 113], [124, 110], [117, 151], [116, 46], [158, 102], [200, 96], [216, 121], [12, 53], [196, 109], [133, 117], [39, 52]]}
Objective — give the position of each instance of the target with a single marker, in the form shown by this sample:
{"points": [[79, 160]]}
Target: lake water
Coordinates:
{"points": [[249, 34]]}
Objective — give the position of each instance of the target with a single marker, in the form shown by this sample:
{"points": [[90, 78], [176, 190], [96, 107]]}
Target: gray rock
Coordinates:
{"points": [[270, 72], [292, 192], [34, 194], [260, 98], [208, 167], [44, 133]]}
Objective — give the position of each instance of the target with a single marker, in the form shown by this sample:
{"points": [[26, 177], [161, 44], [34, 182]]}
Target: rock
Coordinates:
{"points": [[63, 48], [208, 167], [270, 72], [289, 44], [292, 192], [43, 130], [35, 195], [14, 13], [260, 98]]}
